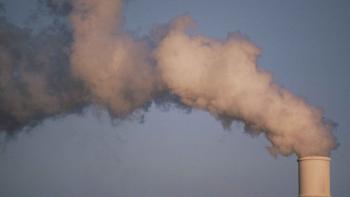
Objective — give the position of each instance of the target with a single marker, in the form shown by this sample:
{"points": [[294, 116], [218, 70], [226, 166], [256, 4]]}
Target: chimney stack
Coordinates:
{"points": [[314, 176]]}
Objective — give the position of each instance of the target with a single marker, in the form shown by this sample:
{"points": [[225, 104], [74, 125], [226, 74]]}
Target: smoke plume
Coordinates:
{"points": [[115, 68], [223, 78], [92, 61], [35, 79]]}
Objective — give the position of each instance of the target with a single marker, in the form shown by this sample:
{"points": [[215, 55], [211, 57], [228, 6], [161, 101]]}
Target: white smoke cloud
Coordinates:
{"points": [[115, 67], [92, 61], [223, 78]]}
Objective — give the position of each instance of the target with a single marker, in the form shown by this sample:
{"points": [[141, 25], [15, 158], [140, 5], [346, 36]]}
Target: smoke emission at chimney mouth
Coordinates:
{"points": [[90, 60]]}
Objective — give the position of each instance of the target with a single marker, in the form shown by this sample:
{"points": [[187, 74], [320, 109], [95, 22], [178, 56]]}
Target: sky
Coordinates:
{"points": [[305, 45]]}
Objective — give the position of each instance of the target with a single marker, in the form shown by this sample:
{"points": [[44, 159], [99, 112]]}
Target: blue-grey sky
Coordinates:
{"points": [[305, 44]]}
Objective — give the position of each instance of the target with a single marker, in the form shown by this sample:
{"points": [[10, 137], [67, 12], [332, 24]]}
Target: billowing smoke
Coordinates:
{"points": [[35, 79], [223, 78], [92, 61], [116, 68]]}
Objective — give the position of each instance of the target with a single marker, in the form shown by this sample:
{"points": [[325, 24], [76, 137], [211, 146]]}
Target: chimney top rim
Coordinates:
{"points": [[314, 158]]}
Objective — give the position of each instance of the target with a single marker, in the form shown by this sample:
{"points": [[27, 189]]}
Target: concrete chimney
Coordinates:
{"points": [[314, 176]]}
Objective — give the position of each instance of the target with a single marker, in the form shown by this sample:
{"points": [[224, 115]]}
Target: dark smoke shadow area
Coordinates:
{"points": [[35, 80]]}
